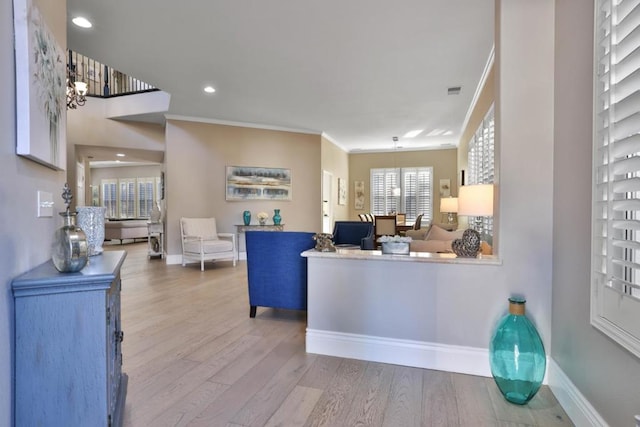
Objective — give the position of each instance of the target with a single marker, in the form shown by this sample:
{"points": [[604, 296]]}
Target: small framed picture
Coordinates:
{"points": [[342, 191]]}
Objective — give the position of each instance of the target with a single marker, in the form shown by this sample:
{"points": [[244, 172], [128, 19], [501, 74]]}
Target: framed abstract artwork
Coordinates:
{"points": [[445, 187], [342, 191], [41, 109], [257, 183], [358, 187]]}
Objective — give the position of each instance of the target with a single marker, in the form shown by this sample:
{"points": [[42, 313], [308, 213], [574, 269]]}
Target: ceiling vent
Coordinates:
{"points": [[454, 90]]}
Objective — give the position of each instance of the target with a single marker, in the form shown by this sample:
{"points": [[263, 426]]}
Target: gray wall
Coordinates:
{"points": [[24, 239], [603, 371]]}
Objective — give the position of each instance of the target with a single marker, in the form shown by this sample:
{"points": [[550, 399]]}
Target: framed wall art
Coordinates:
{"points": [[445, 187], [342, 191], [358, 187], [41, 109], [257, 183]]}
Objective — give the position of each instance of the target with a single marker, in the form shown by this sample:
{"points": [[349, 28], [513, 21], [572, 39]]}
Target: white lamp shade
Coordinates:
{"points": [[449, 204], [476, 200]]}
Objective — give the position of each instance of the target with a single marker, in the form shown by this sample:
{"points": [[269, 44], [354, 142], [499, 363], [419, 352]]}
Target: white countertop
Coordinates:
{"points": [[358, 254]]}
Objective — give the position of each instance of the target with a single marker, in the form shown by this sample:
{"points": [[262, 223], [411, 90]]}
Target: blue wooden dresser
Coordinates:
{"points": [[68, 345]]}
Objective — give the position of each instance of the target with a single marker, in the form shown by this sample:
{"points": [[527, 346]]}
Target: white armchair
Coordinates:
{"points": [[202, 242]]}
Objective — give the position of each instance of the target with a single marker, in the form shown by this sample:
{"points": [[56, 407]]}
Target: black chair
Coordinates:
{"points": [[353, 233], [418, 224]]}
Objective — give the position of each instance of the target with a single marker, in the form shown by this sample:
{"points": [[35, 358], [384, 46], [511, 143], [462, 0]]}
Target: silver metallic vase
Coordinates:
{"points": [[69, 250]]}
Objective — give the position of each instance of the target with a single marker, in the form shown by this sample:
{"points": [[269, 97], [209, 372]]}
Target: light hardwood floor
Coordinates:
{"points": [[194, 357]]}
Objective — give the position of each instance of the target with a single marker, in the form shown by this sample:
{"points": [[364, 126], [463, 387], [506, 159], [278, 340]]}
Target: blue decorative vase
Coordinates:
{"points": [[246, 217], [276, 217], [517, 356]]}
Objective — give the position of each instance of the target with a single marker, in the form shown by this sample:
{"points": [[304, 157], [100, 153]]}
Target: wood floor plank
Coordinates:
{"points": [[268, 399], [547, 411], [140, 391], [183, 411], [246, 360], [439, 401], [506, 411], [296, 408], [370, 401], [473, 401], [222, 410], [337, 397], [321, 372], [404, 407]]}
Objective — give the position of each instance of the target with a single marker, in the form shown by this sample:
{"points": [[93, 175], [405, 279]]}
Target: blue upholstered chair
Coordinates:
{"points": [[277, 273], [356, 233]]}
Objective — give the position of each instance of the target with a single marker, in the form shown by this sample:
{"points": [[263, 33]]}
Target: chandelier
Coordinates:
{"points": [[76, 89]]}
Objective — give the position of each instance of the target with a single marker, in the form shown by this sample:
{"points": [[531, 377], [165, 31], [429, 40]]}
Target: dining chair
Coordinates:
{"points": [[385, 225], [418, 224], [401, 218]]}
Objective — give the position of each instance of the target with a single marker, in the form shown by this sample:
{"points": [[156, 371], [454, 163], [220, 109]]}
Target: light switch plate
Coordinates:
{"points": [[45, 204]]}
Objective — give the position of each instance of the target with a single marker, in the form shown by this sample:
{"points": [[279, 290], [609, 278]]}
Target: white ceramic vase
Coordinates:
{"points": [[91, 220], [156, 214]]}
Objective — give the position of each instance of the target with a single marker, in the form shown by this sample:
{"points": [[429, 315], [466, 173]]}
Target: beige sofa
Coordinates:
{"points": [[126, 229], [437, 239]]}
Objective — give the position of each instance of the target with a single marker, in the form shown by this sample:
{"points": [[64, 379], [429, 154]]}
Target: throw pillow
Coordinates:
{"points": [[439, 233]]}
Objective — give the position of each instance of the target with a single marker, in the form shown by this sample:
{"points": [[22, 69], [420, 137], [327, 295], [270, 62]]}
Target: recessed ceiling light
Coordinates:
{"points": [[209, 89], [413, 133], [120, 155], [82, 22]]}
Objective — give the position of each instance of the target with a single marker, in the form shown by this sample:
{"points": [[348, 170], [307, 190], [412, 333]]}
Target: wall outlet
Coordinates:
{"points": [[45, 204]]}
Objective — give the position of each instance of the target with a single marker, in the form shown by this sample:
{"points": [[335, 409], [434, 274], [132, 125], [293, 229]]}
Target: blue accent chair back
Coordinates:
{"points": [[277, 273], [358, 233]]}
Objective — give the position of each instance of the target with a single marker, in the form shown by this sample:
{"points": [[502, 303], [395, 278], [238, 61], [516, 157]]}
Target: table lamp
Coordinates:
{"points": [[477, 201], [449, 205]]}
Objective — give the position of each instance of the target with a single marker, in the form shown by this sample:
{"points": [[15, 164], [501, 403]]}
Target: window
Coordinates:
{"points": [[413, 193], [481, 165], [109, 197], [145, 196], [615, 278], [130, 197], [127, 192]]}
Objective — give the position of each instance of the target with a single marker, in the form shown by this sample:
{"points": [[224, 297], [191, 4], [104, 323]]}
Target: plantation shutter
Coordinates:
{"points": [[145, 197], [109, 198], [127, 198], [616, 192], [383, 181]]}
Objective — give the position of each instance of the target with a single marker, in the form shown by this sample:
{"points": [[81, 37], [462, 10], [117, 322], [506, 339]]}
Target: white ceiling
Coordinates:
{"points": [[361, 71]]}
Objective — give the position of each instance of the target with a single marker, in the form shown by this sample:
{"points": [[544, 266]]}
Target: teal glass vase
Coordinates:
{"points": [[246, 217], [517, 355], [276, 217]]}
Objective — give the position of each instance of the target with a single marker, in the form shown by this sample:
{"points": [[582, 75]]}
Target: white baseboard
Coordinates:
{"points": [[452, 358], [177, 259], [572, 401]]}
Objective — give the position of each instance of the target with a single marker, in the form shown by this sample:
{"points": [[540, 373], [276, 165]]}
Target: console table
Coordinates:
{"points": [[241, 228], [68, 345], [155, 239]]}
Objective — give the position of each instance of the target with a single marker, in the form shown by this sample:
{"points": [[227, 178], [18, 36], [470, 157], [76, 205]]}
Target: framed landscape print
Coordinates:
{"points": [[256, 183], [41, 109]]}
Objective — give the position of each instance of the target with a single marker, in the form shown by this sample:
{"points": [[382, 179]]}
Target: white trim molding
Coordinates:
{"points": [[442, 357], [572, 401]]}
